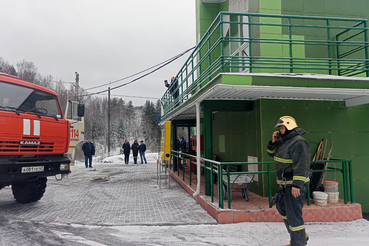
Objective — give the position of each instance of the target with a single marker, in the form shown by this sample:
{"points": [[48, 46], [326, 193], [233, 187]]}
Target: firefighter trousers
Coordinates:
{"points": [[290, 209]]}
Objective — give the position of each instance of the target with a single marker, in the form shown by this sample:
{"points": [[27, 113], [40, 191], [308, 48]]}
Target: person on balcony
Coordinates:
{"points": [[291, 153], [173, 89]]}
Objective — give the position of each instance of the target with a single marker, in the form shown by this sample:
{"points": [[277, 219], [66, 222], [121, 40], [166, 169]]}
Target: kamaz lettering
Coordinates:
{"points": [[29, 142]]}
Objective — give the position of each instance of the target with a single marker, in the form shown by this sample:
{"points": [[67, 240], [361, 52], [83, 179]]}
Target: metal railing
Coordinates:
{"points": [[249, 43], [346, 171]]}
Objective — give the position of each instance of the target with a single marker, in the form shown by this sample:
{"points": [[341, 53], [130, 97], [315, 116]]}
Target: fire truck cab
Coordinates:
{"points": [[34, 138]]}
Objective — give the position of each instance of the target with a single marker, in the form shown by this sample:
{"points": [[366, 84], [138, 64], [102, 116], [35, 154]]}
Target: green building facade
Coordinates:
{"points": [[257, 60]]}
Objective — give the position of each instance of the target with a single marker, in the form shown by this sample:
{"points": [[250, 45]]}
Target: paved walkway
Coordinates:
{"points": [[114, 194]]}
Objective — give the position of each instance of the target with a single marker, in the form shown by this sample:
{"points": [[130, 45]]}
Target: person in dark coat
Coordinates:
{"points": [[135, 147], [88, 149], [182, 144], [126, 150], [174, 91], [142, 151], [174, 84]]}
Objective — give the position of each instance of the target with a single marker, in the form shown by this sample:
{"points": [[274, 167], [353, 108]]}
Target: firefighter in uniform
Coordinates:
{"points": [[291, 153]]}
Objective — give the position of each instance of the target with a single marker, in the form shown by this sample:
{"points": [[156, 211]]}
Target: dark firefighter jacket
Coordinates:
{"points": [[291, 155]]}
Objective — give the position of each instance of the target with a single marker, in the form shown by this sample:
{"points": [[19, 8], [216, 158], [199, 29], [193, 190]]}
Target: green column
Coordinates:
{"points": [[174, 145], [189, 138], [366, 48], [208, 147]]}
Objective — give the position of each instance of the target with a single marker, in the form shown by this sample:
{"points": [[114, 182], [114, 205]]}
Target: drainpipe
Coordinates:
{"points": [[198, 152]]}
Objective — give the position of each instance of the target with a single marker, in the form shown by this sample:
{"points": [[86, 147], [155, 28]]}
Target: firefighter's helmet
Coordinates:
{"points": [[288, 121]]}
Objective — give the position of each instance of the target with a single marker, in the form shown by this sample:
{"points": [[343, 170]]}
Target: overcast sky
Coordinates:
{"points": [[103, 40]]}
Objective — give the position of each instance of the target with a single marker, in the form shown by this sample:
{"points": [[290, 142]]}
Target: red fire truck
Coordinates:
{"points": [[34, 137]]}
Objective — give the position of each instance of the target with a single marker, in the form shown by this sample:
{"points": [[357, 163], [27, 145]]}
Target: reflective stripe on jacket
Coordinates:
{"points": [[291, 154]]}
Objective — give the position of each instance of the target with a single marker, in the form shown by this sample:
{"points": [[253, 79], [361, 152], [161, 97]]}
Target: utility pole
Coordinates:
{"points": [[77, 85], [109, 121]]}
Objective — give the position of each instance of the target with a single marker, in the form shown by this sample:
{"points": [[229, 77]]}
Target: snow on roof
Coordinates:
{"points": [[306, 75]]}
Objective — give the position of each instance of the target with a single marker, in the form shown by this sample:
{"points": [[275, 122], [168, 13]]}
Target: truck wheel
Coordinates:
{"points": [[31, 191]]}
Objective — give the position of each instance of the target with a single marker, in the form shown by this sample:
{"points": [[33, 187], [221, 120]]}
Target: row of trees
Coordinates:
{"points": [[127, 121]]}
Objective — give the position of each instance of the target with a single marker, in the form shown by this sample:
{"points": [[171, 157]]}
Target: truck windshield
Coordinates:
{"points": [[24, 99]]}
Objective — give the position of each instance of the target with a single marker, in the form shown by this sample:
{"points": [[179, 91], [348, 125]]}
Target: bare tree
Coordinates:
{"points": [[45, 81], [149, 124], [27, 71], [5, 67]]}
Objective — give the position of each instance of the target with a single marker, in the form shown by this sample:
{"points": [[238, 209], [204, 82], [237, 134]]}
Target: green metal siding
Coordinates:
{"points": [[241, 132], [332, 8], [250, 79], [206, 13], [232, 126], [348, 128], [271, 6], [329, 8], [233, 79]]}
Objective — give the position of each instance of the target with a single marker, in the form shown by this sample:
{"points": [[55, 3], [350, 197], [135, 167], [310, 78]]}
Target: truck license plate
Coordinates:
{"points": [[32, 169]]}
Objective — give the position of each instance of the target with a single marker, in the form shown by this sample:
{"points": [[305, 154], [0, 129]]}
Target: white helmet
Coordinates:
{"points": [[288, 121]]}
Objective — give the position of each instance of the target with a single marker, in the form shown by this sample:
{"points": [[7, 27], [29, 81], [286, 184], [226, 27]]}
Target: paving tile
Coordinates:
{"points": [[128, 195]]}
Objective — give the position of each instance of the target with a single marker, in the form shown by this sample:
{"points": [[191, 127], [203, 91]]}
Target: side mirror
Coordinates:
{"points": [[81, 110]]}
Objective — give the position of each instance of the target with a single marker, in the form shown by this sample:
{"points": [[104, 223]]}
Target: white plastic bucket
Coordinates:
{"points": [[330, 186], [333, 197], [320, 198]]}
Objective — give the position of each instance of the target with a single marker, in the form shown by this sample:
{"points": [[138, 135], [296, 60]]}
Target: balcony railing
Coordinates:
{"points": [[188, 160], [254, 43]]}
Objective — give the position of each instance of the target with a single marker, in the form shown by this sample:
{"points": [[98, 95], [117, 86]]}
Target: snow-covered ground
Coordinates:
{"points": [[119, 159], [354, 233]]}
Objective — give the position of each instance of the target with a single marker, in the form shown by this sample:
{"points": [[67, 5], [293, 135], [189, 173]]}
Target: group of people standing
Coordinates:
{"points": [[88, 149], [136, 148]]}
